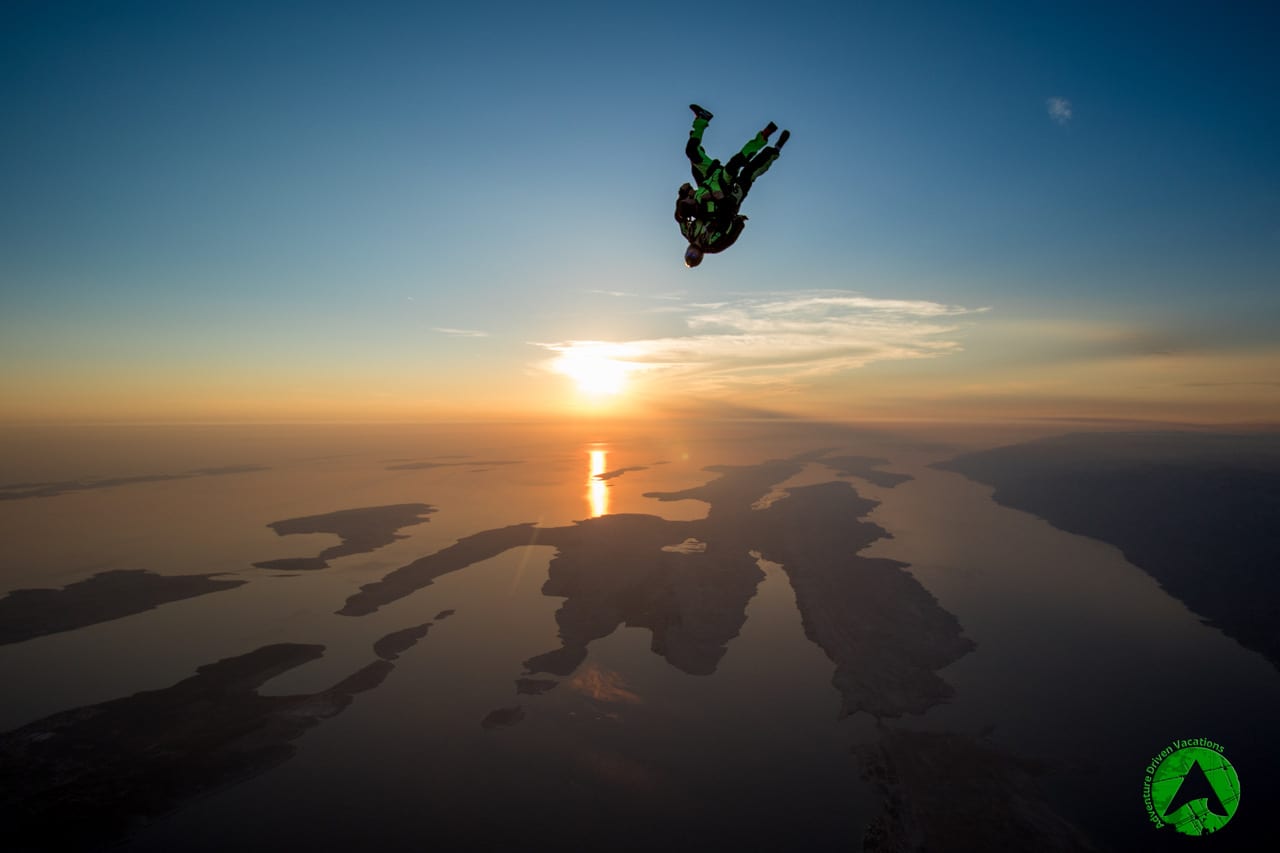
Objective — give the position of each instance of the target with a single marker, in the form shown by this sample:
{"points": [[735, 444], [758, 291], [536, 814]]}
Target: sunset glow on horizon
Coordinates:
{"points": [[592, 369], [319, 232]]}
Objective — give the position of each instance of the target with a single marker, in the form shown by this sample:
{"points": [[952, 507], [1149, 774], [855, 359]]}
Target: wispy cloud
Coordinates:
{"points": [[624, 293], [460, 333], [777, 339], [1059, 110]]}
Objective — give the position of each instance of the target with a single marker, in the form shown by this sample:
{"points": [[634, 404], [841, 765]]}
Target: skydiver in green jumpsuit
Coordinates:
{"points": [[708, 213]]}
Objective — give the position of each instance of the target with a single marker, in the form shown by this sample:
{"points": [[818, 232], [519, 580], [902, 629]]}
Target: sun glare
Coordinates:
{"points": [[593, 372]]}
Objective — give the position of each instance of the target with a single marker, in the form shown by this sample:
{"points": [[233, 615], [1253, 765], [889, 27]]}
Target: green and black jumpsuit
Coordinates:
{"points": [[709, 222]]}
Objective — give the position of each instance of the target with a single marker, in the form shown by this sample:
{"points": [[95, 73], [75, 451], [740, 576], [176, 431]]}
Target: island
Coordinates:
{"points": [[886, 635], [19, 491], [361, 531], [28, 613], [77, 779]]}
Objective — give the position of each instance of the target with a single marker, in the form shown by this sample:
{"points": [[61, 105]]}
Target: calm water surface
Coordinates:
{"points": [[1081, 659]]}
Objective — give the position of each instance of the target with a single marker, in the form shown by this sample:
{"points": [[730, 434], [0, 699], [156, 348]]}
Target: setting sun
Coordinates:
{"points": [[593, 371]]}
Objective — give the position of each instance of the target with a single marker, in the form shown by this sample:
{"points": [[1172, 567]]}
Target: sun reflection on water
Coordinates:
{"points": [[597, 489]]}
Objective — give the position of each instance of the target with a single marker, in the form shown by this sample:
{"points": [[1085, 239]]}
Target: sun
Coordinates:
{"points": [[594, 373]]}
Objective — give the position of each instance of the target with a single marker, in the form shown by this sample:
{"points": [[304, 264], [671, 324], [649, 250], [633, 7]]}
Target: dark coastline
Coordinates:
{"points": [[1200, 513]]}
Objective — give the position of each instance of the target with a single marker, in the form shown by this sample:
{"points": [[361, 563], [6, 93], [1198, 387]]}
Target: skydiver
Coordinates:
{"points": [[708, 213]]}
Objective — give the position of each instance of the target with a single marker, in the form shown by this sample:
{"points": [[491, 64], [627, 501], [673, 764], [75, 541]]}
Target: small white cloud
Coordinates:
{"points": [[1059, 110], [460, 333]]}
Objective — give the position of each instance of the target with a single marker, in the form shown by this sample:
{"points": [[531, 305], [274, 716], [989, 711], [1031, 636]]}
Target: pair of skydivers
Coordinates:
{"points": [[708, 212]]}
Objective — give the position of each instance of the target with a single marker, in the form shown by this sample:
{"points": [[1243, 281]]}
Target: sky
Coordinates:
{"points": [[405, 211]]}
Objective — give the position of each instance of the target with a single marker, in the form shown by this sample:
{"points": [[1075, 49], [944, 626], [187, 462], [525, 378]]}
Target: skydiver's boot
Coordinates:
{"points": [[769, 128], [701, 113], [782, 140]]}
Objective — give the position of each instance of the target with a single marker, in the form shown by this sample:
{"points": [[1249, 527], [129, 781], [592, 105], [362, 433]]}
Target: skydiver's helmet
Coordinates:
{"points": [[692, 256]]}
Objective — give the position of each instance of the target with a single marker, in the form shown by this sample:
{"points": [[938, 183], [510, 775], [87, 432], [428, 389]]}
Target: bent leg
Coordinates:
{"points": [[741, 160], [761, 163], [756, 166], [700, 163]]}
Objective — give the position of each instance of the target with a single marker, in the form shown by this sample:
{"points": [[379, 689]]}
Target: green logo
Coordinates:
{"points": [[1191, 786]]}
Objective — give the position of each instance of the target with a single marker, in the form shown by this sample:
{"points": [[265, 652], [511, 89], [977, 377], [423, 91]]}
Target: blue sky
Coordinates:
{"points": [[249, 203]]}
